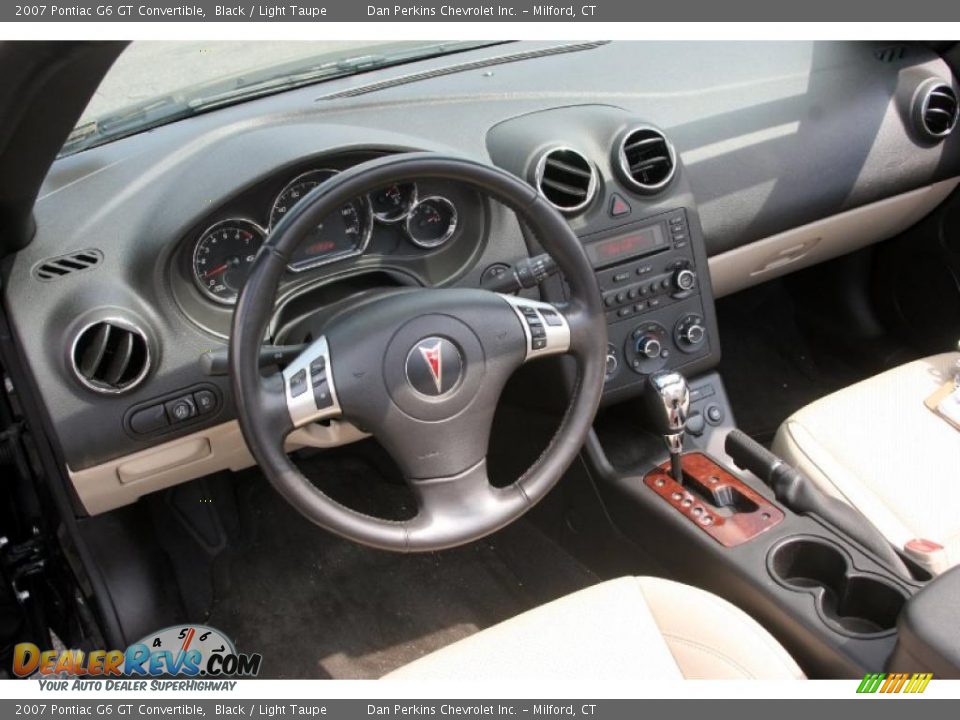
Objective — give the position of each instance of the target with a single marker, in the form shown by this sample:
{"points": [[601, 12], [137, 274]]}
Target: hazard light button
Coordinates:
{"points": [[618, 206]]}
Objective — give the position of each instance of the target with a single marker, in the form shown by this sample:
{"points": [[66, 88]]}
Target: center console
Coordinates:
{"points": [[659, 473], [656, 294]]}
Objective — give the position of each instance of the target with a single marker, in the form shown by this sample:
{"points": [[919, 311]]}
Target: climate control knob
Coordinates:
{"points": [[612, 363], [648, 346], [690, 333], [693, 333], [684, 279]]}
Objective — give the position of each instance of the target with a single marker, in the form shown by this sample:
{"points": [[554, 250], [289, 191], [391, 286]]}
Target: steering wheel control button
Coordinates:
{"points": [[546, 329], [434, 366], [311, 371], [552, 318], [205, 401], [298, 383], [181, 409], [321, 394]]}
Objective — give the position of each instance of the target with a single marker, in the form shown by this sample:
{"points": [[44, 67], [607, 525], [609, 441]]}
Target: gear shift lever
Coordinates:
{"points": [[668, 399]]}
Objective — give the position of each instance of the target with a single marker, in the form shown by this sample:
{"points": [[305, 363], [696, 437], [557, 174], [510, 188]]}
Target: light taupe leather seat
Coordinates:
{"points": [[876, 446], [627, 629]]}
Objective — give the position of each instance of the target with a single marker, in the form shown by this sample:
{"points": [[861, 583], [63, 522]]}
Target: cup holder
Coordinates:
{"points": [[851, 601]]}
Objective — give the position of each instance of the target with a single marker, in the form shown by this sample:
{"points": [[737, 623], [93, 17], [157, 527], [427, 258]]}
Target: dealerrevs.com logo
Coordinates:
{"points": [[190, 651]]}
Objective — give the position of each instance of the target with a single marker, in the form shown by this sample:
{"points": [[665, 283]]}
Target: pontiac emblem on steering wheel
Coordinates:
{"points": [[434, 366]]}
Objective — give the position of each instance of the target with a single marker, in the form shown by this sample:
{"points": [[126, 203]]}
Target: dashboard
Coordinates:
{"points": [[142, 244]]}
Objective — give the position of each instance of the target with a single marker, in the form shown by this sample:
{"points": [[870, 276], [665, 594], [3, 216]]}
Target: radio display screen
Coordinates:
{"points": [[621, 247]]}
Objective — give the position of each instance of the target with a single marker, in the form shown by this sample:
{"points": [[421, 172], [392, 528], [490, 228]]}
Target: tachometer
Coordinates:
{"points": [[393, 203], [341, 234], [432, 222], [222, 258]]}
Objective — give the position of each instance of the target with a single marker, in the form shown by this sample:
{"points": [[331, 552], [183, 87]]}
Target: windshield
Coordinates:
{"points": [[153, 83]]}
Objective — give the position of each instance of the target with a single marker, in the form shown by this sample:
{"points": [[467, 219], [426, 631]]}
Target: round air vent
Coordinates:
{"points": [[646, 159], [566, 178], [110, 356], [936, 109]]}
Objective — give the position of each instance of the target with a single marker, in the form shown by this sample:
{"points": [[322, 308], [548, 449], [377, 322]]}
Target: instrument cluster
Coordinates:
{"points": [[410, 219]]}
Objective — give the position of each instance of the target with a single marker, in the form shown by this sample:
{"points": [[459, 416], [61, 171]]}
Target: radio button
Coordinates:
{"points": [[684, 279]]}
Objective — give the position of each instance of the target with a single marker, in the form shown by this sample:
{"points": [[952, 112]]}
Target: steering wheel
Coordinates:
{"points": [[420, 369]]}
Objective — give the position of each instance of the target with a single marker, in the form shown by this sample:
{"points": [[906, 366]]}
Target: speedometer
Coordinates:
{"points": [[223, 256], [340, 234]]}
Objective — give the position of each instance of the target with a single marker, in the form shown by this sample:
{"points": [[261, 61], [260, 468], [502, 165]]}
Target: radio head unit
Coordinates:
{"points": [[641, 239]]}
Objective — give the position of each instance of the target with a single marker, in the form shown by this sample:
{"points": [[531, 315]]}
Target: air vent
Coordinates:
{"points": [[58, 267], [891, 53], [937, 110], [567, 179], [646, 160], [110, 356]]}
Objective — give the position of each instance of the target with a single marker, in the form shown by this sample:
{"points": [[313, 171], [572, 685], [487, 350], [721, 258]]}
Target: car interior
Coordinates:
{"points": [[579, 360]]}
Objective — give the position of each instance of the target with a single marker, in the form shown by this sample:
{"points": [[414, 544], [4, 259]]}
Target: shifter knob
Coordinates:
{"points": [[668, 400]]}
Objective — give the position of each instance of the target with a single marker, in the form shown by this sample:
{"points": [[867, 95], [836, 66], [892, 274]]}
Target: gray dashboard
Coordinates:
{"points": [[772, 136]]}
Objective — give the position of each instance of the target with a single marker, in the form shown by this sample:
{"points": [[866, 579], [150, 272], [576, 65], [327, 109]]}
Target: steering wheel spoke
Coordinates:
{"points": [[449, 507], [545, 327], [309, 386]]}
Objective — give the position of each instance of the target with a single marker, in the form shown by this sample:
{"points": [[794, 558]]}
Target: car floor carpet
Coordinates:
{"points": [[318, 606]]}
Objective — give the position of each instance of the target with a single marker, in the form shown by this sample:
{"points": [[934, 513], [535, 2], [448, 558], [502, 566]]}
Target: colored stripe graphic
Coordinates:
{"points": [[892, 683]]}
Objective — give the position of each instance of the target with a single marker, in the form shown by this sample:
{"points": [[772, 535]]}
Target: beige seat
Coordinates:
{"points": [[627, 629], [876, 446]]}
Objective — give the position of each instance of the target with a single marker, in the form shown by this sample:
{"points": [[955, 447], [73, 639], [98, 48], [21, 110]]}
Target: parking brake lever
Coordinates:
{"points": [[795, 490]]}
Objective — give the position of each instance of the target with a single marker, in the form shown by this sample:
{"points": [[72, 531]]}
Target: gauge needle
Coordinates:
{"points": [[216, 270]]}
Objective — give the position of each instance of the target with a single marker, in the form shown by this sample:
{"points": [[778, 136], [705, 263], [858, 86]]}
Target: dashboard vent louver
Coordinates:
{"points": [[58, 267], [938, 110], [110, 356], [646, 159], [567, 179], [891, 53]]}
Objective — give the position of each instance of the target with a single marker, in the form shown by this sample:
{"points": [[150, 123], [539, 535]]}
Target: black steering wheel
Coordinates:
{"points": [[420, 369]]}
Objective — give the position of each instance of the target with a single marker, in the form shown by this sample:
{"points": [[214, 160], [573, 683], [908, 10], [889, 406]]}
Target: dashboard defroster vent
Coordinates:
{"points": [[646, 160], [938, 109], [566, 179], [110, 356], [63, 265]]}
